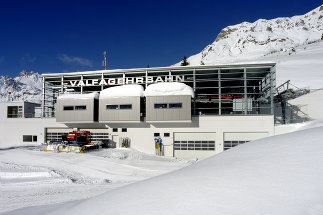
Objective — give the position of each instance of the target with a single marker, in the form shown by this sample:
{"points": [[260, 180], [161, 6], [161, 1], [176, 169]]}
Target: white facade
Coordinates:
{"points": [[215, 129]]}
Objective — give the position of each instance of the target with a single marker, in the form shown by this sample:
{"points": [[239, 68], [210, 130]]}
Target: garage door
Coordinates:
{"points": [[232, 139], [96, 134], [194, 145]]}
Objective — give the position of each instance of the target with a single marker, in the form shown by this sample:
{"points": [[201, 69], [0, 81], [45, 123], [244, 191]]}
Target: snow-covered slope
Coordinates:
{"points": [[276, 175], [26, 86], [278, 39], [31, 177]]}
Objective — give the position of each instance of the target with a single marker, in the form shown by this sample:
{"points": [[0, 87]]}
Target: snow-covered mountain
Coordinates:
{"points": [[253, 40], [278, 40], [26, 86]]}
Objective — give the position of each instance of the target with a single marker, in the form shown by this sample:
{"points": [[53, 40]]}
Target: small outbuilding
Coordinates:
{"points": [[121, 104], [80, 108], [168, 102]]}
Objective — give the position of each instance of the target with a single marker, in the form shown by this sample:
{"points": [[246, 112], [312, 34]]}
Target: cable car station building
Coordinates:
{"points": [[229, 105]]}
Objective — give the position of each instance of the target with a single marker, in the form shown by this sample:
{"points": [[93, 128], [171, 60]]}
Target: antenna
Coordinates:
{"points": [[104, 63]]}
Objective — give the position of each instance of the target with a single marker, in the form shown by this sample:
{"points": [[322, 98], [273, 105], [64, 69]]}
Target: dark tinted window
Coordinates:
{"points": [[81, 107], [34, 138], [68, 107], [115, 129], [27, 138], [157, 106], [166, 135], [156, 134], [125, 106], [112, 107], [124, 129], [175, 105]]}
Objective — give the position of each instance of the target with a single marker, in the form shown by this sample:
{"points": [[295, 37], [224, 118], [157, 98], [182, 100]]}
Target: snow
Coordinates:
{"points": [[123, 91], [276, 175], [169, 88], [94, 95], [31, 177]]}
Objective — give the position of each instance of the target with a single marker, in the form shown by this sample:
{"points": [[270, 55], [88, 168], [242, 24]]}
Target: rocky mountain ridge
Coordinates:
{"points": [[26, 86]]}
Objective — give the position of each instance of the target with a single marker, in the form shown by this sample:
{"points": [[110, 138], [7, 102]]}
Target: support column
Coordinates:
{"points": [[272, 70], [43, 98], [245, 91], [102, 77], [146, 79], [82, 85], [62, 84], [220, 96], [194, 89]]}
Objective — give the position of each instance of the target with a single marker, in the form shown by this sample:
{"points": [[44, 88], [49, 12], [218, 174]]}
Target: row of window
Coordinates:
{"points": [[57, 136], [122, 129], [77, 107], [170, 105], [197, 145], [29, 138], [126, 106], [117, 107], [158, 134], [228, 144]]}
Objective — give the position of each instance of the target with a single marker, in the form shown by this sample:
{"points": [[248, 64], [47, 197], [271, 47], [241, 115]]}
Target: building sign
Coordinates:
{"points": [[122, 81]]}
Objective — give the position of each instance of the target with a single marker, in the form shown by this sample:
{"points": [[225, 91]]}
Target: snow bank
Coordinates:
{"points": [[169, 89], [124, 90], [94, 95], [278, 175]]}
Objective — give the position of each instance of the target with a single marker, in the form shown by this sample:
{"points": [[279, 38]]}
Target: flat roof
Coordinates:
{"points": [[217, 66]]}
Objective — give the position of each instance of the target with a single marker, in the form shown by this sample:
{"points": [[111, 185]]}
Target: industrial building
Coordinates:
{"points": [[213, 108]]}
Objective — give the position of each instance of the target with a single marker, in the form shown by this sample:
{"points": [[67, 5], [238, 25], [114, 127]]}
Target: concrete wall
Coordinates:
{"points": [[66, 116], [12, 130], [142, 134], [168, 114], [110, 115]]}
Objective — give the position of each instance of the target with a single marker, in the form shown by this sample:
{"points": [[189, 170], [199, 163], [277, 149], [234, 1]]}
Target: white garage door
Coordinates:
{"points": [[194, 145]]}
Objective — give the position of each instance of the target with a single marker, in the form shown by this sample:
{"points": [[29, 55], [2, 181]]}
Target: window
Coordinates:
{"points": [[124, 129], [166, 134], [228, 144], [14, 112], [27, 138], [68, 107], [156, 135], [80, 107], [160, 106], [112, 107], [125, 107], [114, 129], [175, 105], [196, 145]]}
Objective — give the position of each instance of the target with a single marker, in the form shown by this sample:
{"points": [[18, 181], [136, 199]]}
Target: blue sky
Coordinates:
{"points": [[67, 36]]}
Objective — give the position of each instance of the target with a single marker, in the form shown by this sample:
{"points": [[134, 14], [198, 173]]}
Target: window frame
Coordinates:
{"points": [[124, 130], [65, 106], [175, 107], [110, 105], [121, 107], [78, 106], [162, 107]]}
